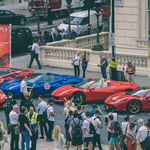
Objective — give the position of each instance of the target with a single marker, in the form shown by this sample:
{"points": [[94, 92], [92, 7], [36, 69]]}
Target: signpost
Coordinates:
{"points": [[5, 44]]}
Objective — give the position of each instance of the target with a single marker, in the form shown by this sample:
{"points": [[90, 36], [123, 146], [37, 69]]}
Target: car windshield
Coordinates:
{"points": [[73, 20], [48, 77], [34, 77], [100, 83], [139, 92], [84, 84]]}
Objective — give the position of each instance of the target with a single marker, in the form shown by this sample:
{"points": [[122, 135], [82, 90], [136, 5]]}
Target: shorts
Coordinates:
{"points": [[88, 139], [77, 141], [113, 140], [68, 138]]}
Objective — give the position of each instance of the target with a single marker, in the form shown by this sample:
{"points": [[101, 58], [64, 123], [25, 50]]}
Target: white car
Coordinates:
{"points": [[82, 18]]}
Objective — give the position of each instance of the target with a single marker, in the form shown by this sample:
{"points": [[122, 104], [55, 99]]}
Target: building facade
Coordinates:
{"points": [[132, 25]]}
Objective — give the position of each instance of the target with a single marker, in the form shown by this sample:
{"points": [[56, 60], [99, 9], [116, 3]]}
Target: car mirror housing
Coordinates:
{"points": [[147, 97], [91, 89]]}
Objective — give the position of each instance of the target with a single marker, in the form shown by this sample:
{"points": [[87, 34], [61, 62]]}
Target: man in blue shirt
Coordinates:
{"points": [[78, 29]]}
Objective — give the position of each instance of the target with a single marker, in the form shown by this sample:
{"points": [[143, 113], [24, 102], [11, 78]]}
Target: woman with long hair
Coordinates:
{"points": [[59, 138], [84, 62]]}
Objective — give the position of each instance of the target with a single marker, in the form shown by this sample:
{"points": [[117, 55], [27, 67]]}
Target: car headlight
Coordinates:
{"points": [[64, 92], [1, 81], [120, 100]]}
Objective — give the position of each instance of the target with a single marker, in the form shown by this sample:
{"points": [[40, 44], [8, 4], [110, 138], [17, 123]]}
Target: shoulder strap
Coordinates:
{"points": [[126, 128]]}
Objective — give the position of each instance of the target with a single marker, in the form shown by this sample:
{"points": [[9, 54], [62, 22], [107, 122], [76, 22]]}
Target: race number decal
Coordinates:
{"points": [[47, 86]]}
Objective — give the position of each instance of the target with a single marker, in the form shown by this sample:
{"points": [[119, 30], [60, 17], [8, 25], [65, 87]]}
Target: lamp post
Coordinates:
{"points": [[98, 46], [69, 8], [50, 16], [89, 25]]}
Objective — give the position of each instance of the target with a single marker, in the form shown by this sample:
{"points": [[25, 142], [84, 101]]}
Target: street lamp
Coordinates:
{"points": [[69, 8], [98, 46]]}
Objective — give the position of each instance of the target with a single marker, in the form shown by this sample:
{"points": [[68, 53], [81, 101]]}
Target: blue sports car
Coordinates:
{"points": [[42, 83]]}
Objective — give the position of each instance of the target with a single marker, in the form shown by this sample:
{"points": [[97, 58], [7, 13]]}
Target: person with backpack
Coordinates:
{"points": [[76, 132], [88, 131], [81, 114], [41, 108], [113, 129], [97, 122], [103, 65]]}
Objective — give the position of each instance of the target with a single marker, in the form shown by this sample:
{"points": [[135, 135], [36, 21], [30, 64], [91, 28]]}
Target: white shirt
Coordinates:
{"points": [[41, 107], [59, 145], [125, 127], [86, 125], [77, 60], [141, 134], [35, 47], [50, 110], [13, 116], [23, 86]]}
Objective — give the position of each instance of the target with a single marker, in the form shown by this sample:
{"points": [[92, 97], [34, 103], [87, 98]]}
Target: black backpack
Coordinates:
{"points": [[80, 116], [92, 129], [66, 124], [77, 131], [45, 117]]}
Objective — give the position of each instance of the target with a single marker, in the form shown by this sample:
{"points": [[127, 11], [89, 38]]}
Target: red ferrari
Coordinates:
{"points": [[2, 99], [132, 102], [7, 74], [92, 90]]}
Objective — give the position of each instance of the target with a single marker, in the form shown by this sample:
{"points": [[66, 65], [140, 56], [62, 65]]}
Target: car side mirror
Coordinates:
{"points": [[147, 97], [92, 89]]}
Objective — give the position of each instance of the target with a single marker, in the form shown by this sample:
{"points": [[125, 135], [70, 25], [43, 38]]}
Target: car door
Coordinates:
{"points": [[9, 17], [145, 100]]}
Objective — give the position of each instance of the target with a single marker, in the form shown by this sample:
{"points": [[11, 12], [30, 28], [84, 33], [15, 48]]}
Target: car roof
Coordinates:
{"points": [[83, 14], [18, 27]]}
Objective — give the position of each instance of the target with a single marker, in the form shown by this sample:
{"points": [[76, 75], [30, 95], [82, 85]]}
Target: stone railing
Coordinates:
{"points": [[84, 42], [142, 43], [61, 57]]}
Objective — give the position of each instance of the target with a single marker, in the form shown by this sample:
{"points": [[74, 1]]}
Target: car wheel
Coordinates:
{"points": [[22, 21], [134, 106], [79, 98]]}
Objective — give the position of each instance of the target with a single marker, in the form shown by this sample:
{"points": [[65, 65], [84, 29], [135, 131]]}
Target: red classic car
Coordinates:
{"points": [[2, 99], [92, 89], [132, 102], [7, 74]]}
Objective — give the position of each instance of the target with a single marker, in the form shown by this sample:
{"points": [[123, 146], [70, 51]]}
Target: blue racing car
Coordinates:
{"points": [[42, 84]]}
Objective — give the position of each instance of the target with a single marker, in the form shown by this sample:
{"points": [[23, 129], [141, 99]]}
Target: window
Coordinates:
{"points": [[119, 3]]}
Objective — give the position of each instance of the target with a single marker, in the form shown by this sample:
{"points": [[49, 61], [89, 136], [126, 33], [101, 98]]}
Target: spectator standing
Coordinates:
{"points": [[24, 129], [78, 29], [113, 142], [81, 114], [34, 124], [130, 70], [14, 144], [103, 65], [57, 36], [88, 138], [28, 103], [41, 107], [76, 63], [59, 139], [2, 132], [35, 54], [67, 31], [46, 37], [10, 101], [84, 63], [52, 33], [93, 109], [73, 34], [131, 137], [113, 68], [141, 133], [76, 132], [62, 33], [51, 119], [96, 120]]}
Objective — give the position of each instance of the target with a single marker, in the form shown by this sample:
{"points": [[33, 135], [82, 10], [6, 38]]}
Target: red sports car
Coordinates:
{"points": [[92, 89], [132, 102], [7, 74], [2, 99]]}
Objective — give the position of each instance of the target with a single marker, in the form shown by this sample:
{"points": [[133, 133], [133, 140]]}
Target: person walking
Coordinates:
{"points": [[24, 129], [84, 63], [14, 144], [9, 103], [34, 124], [51, 119], [35, 54], [113, 68], [103, 65], [2, 132], [41, 107], [130, 70], [59, 138], [96, 120], [78, 29], [76, 63]]}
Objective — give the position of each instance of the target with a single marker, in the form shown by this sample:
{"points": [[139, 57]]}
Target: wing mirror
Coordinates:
{"points": [[92, 89]]}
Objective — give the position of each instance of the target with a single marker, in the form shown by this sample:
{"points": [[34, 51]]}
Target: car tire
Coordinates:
{"points": [[134, 106], [79, 98], [22, 21]]}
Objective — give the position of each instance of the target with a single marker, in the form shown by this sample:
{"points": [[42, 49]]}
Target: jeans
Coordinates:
{"points": [[103, 71], [97, 139], [50, 131], [14, 144], [34, 138], [77, 70], [84, 69], [25, 139], [42, 125]]}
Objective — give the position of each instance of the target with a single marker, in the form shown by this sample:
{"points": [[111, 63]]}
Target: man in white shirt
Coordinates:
{"points": [[41, 107], [76, 64], [13, 115], [35, 54], [51, 118]]}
